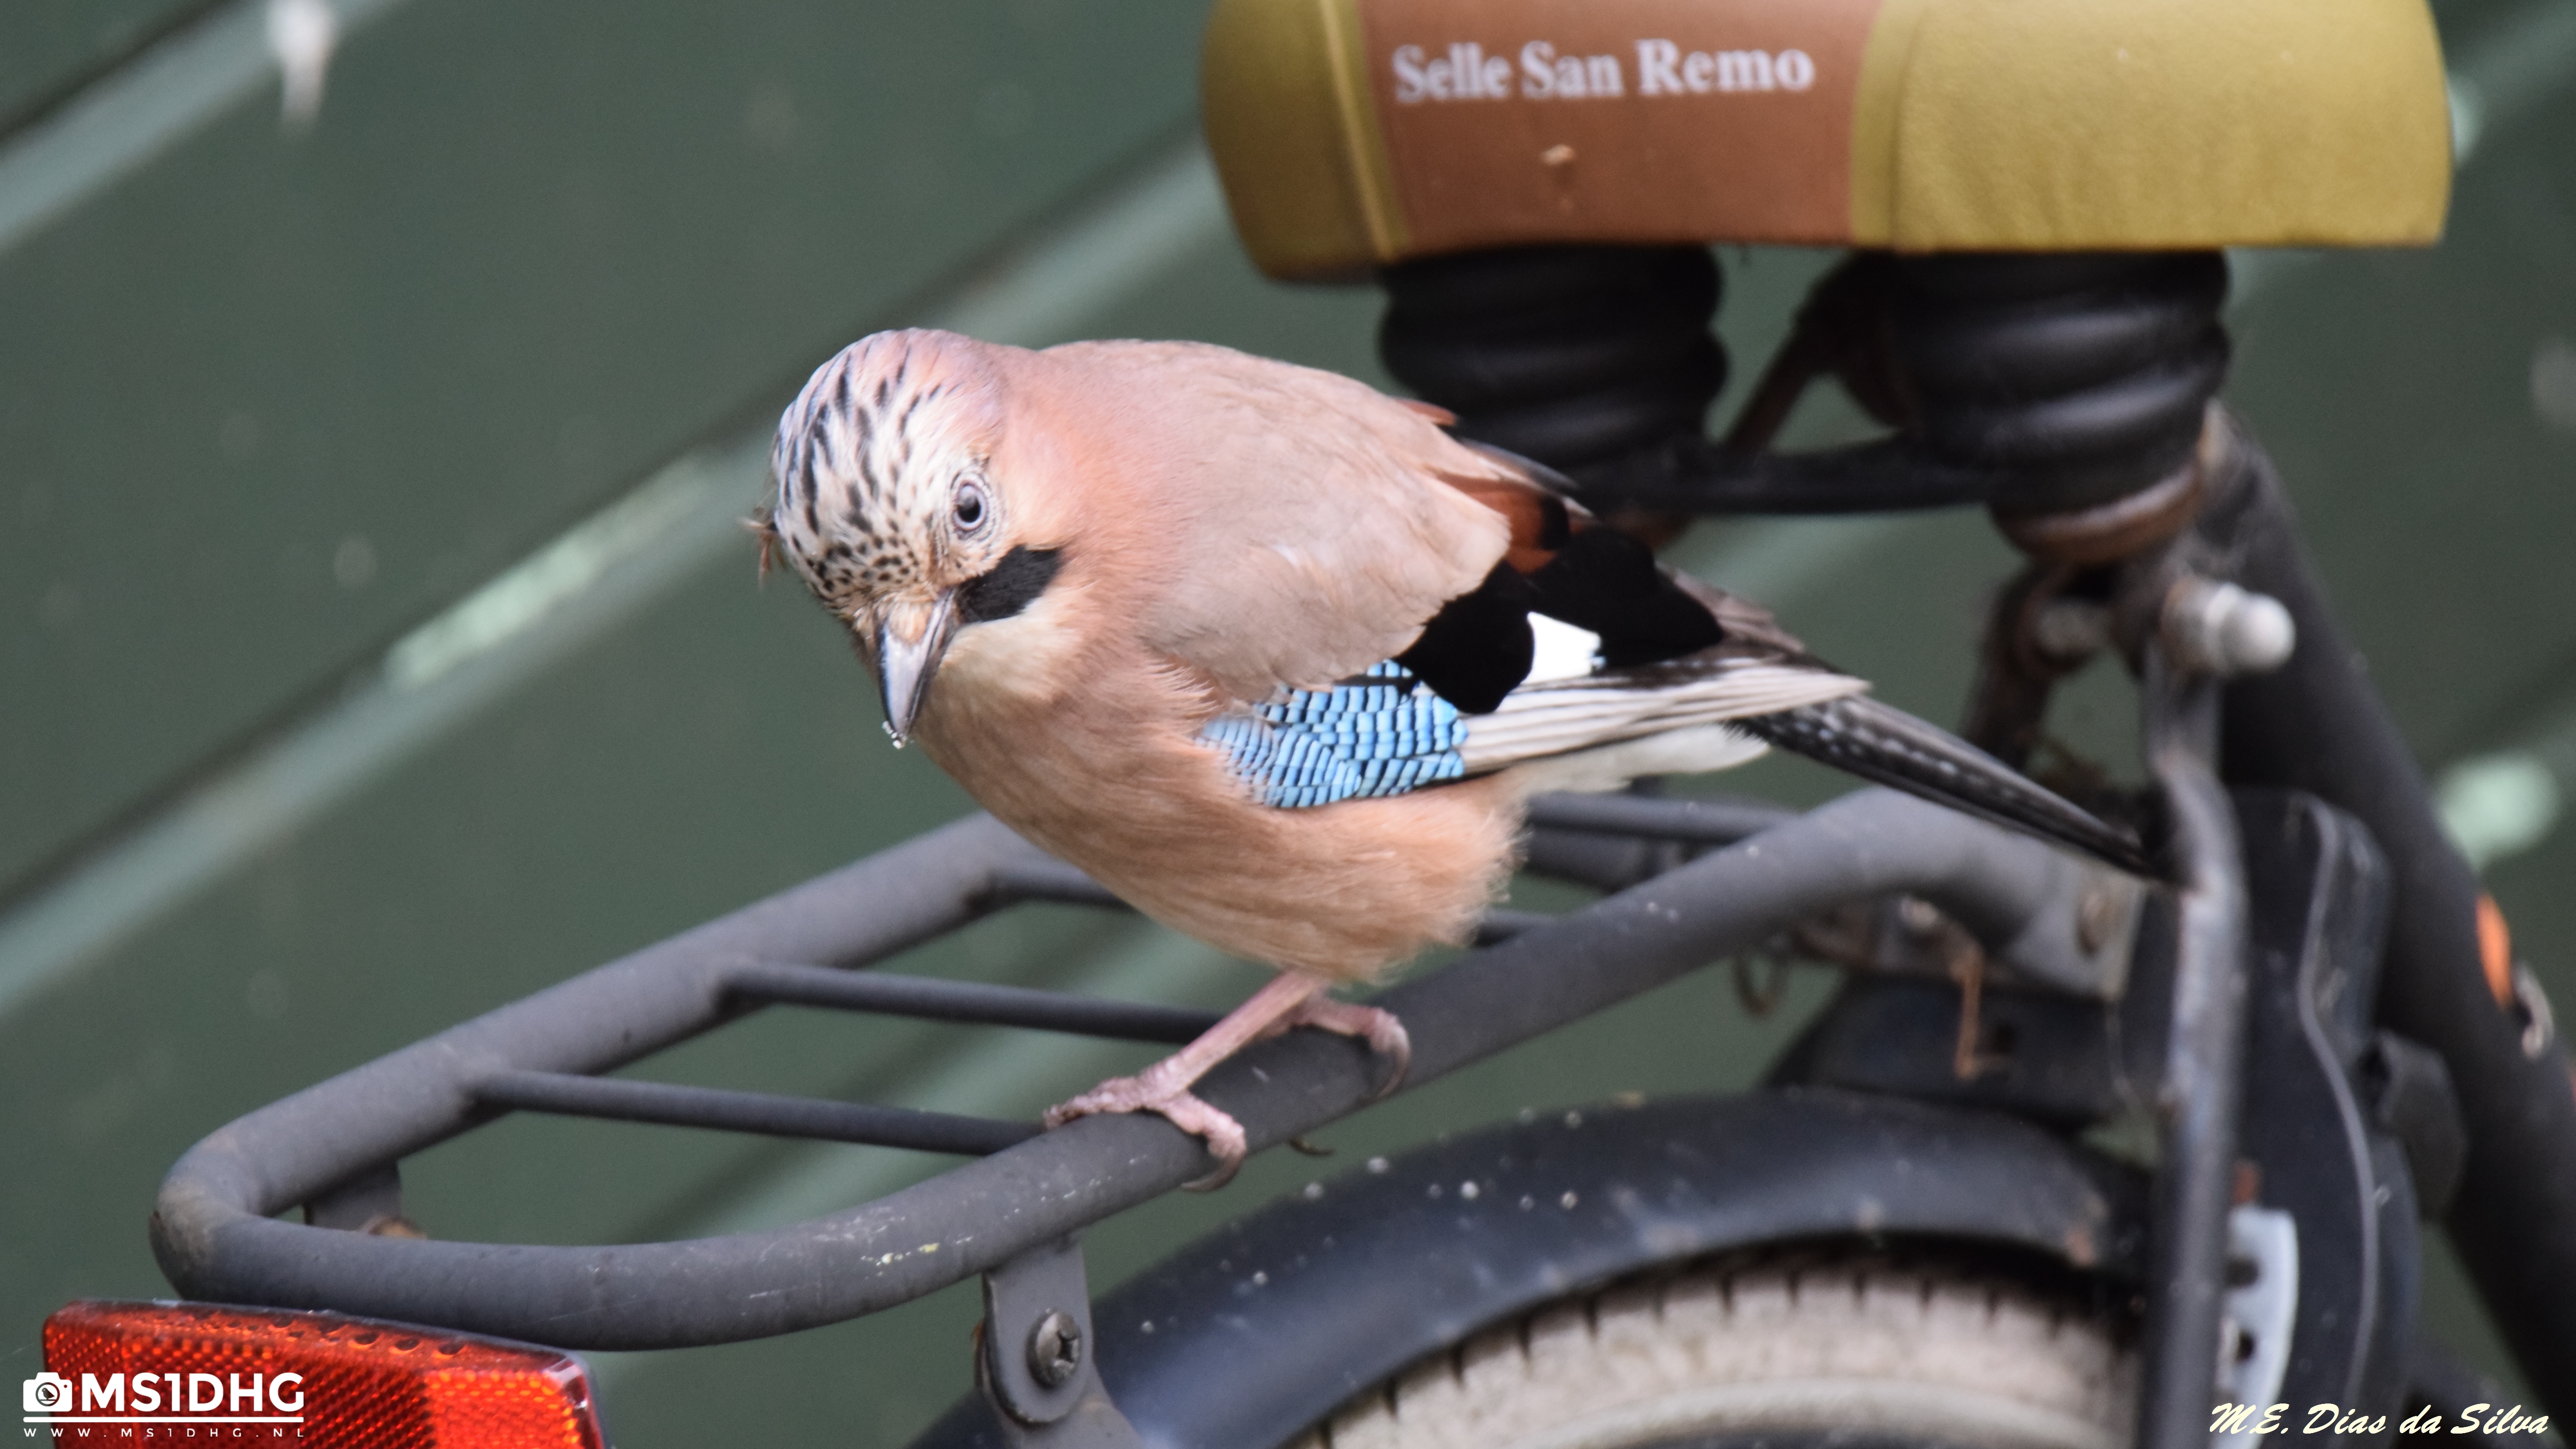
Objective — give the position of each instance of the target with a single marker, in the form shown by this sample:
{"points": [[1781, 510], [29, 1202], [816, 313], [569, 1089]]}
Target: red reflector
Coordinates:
{"points": [[191, 1371]]}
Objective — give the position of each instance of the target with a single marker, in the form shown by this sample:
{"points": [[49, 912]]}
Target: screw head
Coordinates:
{"points": [[2095, 916], [2070, 631], [2219, 628], [1919, 917], [1055, 1349]]}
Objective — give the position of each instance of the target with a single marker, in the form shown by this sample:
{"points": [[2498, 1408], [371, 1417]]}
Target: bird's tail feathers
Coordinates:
{"points": [[1879, 742]]}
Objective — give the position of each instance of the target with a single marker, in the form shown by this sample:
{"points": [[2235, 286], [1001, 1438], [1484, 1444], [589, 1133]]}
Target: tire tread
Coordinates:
{"points": [[1808, 1340]]}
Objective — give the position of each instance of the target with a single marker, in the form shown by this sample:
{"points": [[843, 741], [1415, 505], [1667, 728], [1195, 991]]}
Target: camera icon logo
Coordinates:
{"points": [[46, 1393]]}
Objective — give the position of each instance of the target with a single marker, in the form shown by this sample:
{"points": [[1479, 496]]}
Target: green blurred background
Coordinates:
{"points": [[378, 644]]}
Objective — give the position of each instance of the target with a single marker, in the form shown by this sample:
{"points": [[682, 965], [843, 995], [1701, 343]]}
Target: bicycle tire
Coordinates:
{"points": [[1848, 1350]]}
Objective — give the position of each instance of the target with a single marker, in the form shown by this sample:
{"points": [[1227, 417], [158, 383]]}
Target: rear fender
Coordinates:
{"points": [[1256, 1331]]}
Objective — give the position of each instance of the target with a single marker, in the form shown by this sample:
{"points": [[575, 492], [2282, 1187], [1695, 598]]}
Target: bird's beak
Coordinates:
{"points": [[910, 639]]}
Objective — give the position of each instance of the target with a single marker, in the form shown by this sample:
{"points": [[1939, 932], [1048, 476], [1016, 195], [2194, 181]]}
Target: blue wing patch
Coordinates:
{"points": [[1383, 733]]}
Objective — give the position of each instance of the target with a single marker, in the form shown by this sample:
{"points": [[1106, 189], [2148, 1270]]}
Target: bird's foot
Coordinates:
{"points": [[1163, 1094], [1164, 1088], [1379, 1028]]}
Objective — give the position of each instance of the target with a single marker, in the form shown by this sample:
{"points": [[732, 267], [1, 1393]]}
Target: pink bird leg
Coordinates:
{"points": [[1292, 999]]}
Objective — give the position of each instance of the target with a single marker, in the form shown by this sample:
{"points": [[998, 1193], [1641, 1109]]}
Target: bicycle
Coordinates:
{"points": [[2003, 995]]}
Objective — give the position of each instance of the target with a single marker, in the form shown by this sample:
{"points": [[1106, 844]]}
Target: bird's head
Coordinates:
{"points": [[887, 503]]}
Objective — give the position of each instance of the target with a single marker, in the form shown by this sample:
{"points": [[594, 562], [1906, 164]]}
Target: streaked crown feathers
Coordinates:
{"points": [[881, 465]]}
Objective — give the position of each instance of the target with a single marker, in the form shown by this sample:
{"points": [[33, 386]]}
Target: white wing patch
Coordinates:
{"points": [[1698, 750], [1564, 651], [1563, 717]]}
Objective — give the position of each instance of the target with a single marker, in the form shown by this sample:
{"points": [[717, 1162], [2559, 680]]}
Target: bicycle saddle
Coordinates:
{"points": [[1352, 133]]}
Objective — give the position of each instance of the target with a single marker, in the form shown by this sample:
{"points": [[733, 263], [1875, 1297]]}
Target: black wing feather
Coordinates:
{"points": [[1881, 743]]}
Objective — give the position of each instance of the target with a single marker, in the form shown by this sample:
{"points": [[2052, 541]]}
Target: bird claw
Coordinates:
{"points": [[1379, 1028], [1141, 1093]]}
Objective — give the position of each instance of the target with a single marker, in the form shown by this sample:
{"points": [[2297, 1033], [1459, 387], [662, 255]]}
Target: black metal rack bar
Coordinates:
{"points": [[767, 1113], [1047, 879], [1652, 817], [1499, 926], [972, 1002], [217, 1238]]}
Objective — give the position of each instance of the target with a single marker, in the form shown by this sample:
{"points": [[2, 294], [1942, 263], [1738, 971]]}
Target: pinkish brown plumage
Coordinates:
{"points": [[1332, 542]]}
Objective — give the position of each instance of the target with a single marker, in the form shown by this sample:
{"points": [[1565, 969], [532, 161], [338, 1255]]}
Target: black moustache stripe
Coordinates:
{"points": [[1009, 586]]}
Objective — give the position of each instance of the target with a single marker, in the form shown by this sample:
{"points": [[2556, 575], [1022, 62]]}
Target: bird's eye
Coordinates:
{"points": [[969, 507]]}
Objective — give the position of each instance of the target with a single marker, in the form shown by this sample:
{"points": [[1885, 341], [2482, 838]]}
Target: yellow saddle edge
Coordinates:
{"points": [[1352, 133]]}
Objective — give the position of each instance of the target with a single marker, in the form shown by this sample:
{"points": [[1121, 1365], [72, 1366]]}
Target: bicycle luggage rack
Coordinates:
{"points": [[333, 1149]]}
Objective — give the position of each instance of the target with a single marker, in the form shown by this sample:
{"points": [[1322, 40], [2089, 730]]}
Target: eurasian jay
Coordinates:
{"points": [[1274, 657]]}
